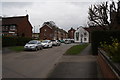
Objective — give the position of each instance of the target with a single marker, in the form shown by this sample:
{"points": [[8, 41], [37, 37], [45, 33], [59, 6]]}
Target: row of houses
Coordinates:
{"points": [[20, 26], [50, 31]]}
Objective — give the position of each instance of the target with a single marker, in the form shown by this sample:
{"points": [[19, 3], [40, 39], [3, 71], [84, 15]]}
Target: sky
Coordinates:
{"points": [[65, 13]]}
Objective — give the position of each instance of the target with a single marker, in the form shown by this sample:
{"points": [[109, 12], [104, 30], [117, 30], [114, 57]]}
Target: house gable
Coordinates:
{"points": [[22, 24], [81, 35]]}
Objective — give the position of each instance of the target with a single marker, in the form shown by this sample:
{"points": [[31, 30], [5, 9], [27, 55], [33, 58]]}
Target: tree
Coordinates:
{"points": [[98, 16]]}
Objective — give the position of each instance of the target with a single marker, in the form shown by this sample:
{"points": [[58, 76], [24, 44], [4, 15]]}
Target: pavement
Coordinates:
{"points": [[31, 64], [83, 65]]}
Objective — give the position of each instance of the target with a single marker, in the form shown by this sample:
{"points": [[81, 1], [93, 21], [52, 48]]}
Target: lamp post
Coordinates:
{"points": [[34, 32]]}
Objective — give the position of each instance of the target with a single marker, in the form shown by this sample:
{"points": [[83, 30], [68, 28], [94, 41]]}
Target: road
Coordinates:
{"points": [[32, 64]]}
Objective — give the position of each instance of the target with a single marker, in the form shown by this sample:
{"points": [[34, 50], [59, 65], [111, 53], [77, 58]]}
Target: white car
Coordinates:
{"points": [[33, 45], [56, 42], [67, 41], [46, 43]]}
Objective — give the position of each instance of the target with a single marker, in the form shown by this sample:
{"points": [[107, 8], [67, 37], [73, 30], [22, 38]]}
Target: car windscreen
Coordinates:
{"points": [[32, 42]]}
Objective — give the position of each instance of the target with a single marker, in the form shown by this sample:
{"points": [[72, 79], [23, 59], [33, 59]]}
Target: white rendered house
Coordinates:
{"points": [[81, 35]]}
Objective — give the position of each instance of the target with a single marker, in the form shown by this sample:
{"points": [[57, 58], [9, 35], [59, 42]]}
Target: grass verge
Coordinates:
{"points": [[74, 50], [17, 48]]}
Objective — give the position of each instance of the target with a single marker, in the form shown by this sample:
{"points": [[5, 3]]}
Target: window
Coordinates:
{"points": [[12, 27], [45, 30], [85, 39], [85, 33], [14, 34], [44, 34], [77, 36], [5, 27]]}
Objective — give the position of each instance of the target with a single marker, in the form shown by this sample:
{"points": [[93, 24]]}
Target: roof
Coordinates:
{"points": [[71, 29], [53, 26], [14, 20], [89, 29]]}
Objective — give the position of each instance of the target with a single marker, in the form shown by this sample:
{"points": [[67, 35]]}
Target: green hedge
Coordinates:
{"points": [[14, 41], [101, 36]]}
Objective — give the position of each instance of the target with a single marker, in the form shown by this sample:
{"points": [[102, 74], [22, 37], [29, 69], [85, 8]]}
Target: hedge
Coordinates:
{"points": [[14, 41], [101, 36]]}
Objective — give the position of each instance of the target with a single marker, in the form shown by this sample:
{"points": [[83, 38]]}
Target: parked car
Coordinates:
{"points": [[72, 40], [62, 41], [67, 41], [46, 43], [56, 42], [33, 45]]}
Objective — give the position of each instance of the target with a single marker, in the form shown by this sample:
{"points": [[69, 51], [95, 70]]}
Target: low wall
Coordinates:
{"points": [[108, 70]]}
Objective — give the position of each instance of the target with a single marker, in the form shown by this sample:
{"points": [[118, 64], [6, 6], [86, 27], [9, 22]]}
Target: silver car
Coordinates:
{"points": [[33, 45]]}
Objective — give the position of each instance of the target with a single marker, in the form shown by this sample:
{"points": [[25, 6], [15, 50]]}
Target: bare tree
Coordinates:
{"points": [[98, 15]]}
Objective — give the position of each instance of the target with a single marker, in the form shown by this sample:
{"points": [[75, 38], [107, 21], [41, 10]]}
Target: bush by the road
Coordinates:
{"points": [[102, 36], [14, 41]]}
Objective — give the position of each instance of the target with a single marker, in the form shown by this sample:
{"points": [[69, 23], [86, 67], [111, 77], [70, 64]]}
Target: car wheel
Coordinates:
{"points": [[41, 48], [36, 49], [51, 46]]}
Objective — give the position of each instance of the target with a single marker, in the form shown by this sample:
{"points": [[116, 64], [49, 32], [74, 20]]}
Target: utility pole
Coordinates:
{"points": [[34, 29], [34, 32]]}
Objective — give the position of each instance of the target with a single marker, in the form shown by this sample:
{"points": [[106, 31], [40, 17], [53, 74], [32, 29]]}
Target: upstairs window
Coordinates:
{"points": [[5, 27], [12, 27], [85, 33], [45, 30]]}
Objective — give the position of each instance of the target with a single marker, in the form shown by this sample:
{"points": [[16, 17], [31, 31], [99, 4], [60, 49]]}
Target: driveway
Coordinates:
{"points": [[32, 64]]}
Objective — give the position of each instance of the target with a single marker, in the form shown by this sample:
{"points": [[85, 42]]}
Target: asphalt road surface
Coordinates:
{"points": [[32, 64]]}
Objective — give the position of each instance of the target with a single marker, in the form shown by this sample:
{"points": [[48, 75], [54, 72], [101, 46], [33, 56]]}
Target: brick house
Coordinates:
{"points": [[35, 35], [16, 26], [71, 33], [51, 32]]}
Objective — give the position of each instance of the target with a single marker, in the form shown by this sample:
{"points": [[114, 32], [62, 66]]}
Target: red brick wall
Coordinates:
{"points": [[105, 69], [24, 27], [71, 33], [48, 34]]}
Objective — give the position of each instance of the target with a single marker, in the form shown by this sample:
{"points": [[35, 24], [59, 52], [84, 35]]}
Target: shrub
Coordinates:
{"points": [[101, 36], [14, 41], [113, 50]]}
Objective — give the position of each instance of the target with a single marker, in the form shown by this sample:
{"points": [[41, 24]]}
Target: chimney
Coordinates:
{"points": [[27, 16]]}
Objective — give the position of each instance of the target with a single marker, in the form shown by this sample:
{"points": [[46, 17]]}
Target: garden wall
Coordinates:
{"points": [[108, 69]]}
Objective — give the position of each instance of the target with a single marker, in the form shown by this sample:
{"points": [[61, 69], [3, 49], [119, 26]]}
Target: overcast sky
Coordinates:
{"points": [[65, 13]]}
